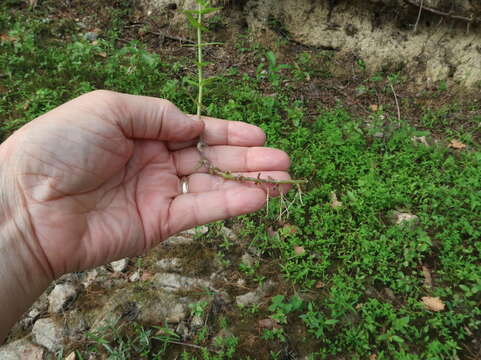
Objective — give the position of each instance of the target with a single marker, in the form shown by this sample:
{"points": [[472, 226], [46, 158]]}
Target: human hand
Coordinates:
{"points": [[98, 178]]}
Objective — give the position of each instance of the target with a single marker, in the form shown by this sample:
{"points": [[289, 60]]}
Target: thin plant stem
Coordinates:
{"points": [[200, 65], [201, 145], [258, 180]]}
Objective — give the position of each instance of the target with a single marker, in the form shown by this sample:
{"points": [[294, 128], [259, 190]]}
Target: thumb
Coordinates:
{"points": [[143, 117]]}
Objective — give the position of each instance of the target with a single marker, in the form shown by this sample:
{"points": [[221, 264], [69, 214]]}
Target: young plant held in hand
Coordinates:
{"points": [[195, 18]]}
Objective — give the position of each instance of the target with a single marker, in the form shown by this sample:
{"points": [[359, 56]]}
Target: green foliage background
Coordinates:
{"points": [[355, 250]]}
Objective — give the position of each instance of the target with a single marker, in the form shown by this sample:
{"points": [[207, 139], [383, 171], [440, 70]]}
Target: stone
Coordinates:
{"points": [[91, 36], [175, 282], [248, 260], [49, 334], [135, 276], [119, 265], [71, 356], [177, 314], [90, 278], [61, 296], [183, 331], [420, 140], [178, 241], [196, 322], [255, 296], [404, 218], [20, 350], [75, 325], [169, 265], [229, 233]]}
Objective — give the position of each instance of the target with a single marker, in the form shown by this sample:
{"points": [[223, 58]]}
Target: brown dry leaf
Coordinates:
{"points": [[320, 284], [433, 303], [271, 232], [335, 203], [374, 107], [299, 250], [103, 54], [373, 357], [428, 280], [456, 144], [7, 38], [290, 229], [268, 324], [146, 276]]}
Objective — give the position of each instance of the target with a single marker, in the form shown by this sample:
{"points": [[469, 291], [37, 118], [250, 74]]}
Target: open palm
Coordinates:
{"points": [[100, 176]]}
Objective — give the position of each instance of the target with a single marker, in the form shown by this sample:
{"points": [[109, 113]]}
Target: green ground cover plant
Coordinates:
{"points": [[358, 276]]}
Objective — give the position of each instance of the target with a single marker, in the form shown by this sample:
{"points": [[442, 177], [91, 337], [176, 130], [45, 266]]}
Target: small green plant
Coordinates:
{"points": [[195, 18]]}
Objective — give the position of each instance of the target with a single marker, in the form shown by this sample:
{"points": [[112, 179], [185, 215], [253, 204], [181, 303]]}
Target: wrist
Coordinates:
{"points": [[24, 273]]}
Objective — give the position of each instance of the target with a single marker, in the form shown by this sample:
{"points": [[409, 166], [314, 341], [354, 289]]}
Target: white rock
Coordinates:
{"points": [[119, 265], [178, 240], [406, 218], [229, 233], [72, 356], [177, 314], [60, 296], [91, 36], [49, 334], [241, 282], [196, 322], [20, 350], [248, 260], [420, 140], [254, 297], [169, 265], [175, 282], [90, 278], [135, 276]]}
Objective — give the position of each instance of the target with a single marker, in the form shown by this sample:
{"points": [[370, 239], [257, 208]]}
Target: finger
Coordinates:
{"points": [[142, 117], [224, 132], [232, 158], [199, 183], [189, 210]]}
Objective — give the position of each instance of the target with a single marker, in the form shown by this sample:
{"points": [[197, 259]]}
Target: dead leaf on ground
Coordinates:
{"points": [[456, 144], [373, 357], [289, 229], [268, 324], [428, 280], [433, 303], [320, 285], [271, 232], [102, 54], [299, 250], [335, 203], [374, 107], [146, 276], [7, 38]]}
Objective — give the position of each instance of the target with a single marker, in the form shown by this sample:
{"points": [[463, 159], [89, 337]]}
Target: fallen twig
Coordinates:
{"points": [[397, 103], [419, 16], [442, 13]]}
